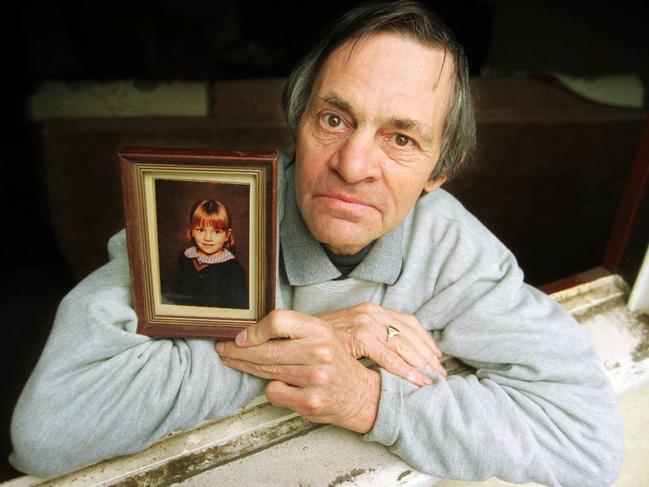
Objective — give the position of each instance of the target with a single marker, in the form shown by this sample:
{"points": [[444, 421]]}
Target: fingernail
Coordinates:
{"points": [[219, 347], [242, 338], [419, 379]]}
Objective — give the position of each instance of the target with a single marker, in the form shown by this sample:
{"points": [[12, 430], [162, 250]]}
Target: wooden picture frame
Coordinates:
{"points": [[201, 232]]}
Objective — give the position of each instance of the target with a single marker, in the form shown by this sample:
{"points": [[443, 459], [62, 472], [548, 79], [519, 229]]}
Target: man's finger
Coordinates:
{"points": [[414, 344], [276, 324], [295, 375], [304, 401], [416, 355], [286, 396], [272, 352], [413, 324], [396, 365], [409, 345], [266, 329]]}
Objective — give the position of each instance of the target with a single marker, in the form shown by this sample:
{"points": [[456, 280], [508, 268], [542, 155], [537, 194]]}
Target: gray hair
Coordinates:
{"points": [[411, 20]]}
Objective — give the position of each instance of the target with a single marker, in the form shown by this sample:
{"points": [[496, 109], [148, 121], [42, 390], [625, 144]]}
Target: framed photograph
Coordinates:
{"points": [[200, 226]]}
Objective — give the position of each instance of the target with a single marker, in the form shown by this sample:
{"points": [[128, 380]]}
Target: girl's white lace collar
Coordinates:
{"points": [[217, 258]]}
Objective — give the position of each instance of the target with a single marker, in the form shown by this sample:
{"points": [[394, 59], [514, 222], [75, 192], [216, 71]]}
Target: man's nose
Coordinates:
{"points": [[357, 158]]}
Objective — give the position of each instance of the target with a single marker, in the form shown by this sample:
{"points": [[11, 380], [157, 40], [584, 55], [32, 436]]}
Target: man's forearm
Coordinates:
{"points": [[538, 408], [101, 390]]}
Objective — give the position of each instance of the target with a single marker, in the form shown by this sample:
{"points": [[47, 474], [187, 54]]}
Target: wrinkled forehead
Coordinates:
{"points": [[391, 75]]}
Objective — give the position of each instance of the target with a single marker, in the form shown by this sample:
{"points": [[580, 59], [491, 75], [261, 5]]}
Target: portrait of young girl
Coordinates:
{"points": [[208, 272]]}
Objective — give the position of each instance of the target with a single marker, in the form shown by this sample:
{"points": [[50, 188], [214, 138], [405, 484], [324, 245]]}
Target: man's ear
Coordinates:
{"points": [[432, 184]]}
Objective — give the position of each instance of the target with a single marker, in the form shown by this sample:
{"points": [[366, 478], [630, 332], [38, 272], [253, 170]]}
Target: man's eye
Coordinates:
{"points": [[333, 121], [402, 140]]}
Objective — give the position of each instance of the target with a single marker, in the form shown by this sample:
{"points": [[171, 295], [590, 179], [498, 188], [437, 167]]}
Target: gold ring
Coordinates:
{"points": [[392, 331]]}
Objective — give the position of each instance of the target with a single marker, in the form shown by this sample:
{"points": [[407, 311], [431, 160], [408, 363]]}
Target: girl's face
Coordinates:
{"points": [[209, 240]]}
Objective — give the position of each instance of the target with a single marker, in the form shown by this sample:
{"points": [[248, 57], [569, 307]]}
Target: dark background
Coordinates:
{"points": [[217, 40]]}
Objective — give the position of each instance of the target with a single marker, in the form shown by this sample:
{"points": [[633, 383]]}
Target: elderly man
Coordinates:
{"points": [[375, 261]]}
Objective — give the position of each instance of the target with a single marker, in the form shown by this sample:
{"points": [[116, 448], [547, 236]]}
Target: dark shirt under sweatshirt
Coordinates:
{"points": [[347, 263]]}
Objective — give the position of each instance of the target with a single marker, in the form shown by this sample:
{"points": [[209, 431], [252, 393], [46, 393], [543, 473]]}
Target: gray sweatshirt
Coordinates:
{"points": [[538, 408]]}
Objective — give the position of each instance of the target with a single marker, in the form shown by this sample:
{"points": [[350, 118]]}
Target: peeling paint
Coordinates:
{"points": [[583, 315], [182, 468], [612, 366], [348, 477], [641, 351], [404, 474]]}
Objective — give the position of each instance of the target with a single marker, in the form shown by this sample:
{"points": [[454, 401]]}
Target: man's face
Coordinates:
{"points": [[369, 138]]}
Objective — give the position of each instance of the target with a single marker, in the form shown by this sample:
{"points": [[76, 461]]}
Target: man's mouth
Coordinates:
{"points": [[344, 199]]}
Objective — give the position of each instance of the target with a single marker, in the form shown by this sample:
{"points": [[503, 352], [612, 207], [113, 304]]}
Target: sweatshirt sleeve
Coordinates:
{"points": [[100, 390], [538, 407]]}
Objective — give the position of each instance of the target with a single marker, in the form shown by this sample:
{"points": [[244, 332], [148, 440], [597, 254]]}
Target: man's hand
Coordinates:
{"points": [[310, 370], [363, 331]]}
